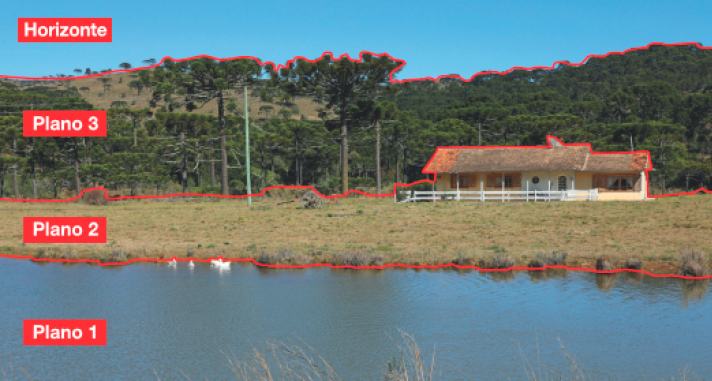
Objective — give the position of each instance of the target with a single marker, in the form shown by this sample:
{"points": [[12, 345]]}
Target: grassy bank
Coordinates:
{"points": [[379, 231]]}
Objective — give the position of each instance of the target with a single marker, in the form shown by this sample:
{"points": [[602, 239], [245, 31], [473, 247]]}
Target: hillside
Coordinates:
{"points": [[93, 90]]}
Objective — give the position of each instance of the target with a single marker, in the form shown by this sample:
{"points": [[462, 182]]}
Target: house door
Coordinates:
{"points": [[562, 183]]}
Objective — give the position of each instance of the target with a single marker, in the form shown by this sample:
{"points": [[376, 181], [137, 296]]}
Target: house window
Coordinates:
{"points": [[599, 181], [535, 180], [511, 180], [464, 181], [562, 183], [617, 182]]}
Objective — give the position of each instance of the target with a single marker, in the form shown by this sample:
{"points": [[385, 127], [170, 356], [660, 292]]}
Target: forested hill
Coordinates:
{"points": [[661, 98], [687, 69], [180, 127]]}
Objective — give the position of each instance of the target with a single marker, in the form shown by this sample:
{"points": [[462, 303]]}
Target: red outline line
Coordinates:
{"points": [[254, 262]]}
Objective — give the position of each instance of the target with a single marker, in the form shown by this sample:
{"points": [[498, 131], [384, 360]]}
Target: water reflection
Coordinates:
{"points": [[693, 289], [605, 282]]}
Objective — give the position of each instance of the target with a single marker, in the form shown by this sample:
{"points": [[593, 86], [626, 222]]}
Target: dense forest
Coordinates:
{"points": [[367, 132]]}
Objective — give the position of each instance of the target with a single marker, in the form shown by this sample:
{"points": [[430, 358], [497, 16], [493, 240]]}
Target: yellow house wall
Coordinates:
{"points": [[583, 182], [443, 182], [623, 196]]}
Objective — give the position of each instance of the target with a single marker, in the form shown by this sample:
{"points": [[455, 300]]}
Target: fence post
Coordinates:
{"points": [[535, 195]]}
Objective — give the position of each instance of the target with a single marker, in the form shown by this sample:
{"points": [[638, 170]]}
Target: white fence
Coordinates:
{"points": [[502, 196]]}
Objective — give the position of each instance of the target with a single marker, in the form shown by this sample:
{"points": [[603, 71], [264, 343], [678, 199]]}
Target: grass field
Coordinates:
{"points": [[417, 233]]}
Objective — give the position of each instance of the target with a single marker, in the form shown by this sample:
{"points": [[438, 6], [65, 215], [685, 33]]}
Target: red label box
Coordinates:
{"points": [[39, 123], [53, 29], [64, 332], [64, 229]]}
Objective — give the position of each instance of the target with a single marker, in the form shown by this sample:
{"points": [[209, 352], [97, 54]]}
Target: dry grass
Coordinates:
{"points": [[417, 233]]}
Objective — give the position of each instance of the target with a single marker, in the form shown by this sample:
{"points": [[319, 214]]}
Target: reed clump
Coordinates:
{"points": [[360, 258], [283, 257], [553, 259], [68, 254], [114, 256], [497, 262], [603, 263], [693, 263], [633, 264], [464, 260]]}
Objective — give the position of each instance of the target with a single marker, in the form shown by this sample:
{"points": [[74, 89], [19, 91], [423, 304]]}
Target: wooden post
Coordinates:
{"points": [[502, 186], [482, 187], [457, 186]]}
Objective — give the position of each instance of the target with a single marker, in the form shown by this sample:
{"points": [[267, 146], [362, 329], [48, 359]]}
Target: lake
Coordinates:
{"points": [[181, 323]]}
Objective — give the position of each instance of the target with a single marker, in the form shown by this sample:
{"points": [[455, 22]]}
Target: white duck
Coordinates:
{"points": [[191, 264], [219, 263], [173, 262]]}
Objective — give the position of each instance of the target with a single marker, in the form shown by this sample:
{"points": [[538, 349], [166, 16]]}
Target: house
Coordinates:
{"points": [[544, 173]]}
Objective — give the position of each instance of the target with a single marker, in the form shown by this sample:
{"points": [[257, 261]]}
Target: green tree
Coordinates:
{"points": [[198, 82], [342, 83]]}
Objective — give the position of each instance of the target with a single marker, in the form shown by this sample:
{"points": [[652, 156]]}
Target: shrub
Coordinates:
{"points": [[633, 264], [41, 253], [292, 258], [283, 257], [497, 262], [537, 262], [357, 259], [68, 254], [556, 258], [603, 263], [464, 260], [266, 258], [693, 263]]}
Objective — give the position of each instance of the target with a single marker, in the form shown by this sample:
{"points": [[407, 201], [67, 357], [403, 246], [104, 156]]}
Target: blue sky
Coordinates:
{"points": [[434, 38]]}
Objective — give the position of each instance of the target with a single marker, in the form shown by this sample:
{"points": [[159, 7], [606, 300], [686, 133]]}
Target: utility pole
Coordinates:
{"points": [[631, 142], [247, 149]]}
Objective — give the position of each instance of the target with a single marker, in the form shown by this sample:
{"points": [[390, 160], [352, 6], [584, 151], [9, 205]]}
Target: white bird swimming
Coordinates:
{"points": [[191, 264], [219, 263], [173, 262]]}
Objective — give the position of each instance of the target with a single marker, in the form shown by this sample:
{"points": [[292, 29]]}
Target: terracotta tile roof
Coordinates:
{"points": [[443, 161], [617, 162], [555, 158], [640, 162]]}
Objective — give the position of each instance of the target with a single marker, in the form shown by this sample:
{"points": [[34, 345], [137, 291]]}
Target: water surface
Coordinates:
{"points": [[167, 320]]}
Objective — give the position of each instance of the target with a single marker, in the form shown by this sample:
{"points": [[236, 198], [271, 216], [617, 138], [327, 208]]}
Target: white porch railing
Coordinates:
{"points": [[503, 196]]}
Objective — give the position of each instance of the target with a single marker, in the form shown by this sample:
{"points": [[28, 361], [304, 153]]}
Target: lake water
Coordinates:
{"points": [[178, 322]]}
